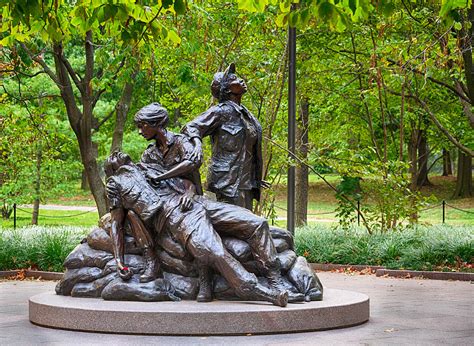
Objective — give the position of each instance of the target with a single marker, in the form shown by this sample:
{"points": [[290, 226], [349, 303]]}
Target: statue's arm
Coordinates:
{"points": [[202, 126], [178, 170], [116, 233]]}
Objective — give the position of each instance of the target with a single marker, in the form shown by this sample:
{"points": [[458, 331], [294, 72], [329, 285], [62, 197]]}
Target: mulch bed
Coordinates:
{"points": [[341, 268]]}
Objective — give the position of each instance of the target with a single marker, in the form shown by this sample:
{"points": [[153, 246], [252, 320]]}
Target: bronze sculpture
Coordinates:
{"points": [[163, 208], [175, 153], [235, 172], [160, 225]]}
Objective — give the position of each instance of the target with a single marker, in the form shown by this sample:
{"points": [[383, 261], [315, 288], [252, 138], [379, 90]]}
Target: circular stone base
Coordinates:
{"points": [[339, 309]]}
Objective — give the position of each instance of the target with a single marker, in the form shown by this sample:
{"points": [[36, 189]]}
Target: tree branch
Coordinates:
{"points": [[465, 105], [43, 64], [113, 79], [89, 48], [435, 120], [75, 77], [23, 73], [457, 92]]}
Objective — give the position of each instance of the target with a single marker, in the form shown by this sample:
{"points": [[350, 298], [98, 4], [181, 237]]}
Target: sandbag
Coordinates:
{"points": [[92, 289], [238, 248], [280, 233], [306, 281], [133, 289], [84, 256], [185, 287], [73, 276], [281, 244], [175, 265], [286, 258]]}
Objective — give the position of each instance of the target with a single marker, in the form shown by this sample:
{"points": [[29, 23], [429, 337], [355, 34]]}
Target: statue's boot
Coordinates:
{"points": [[276, 281], [205, 285], [255, 291], [150, 271]]}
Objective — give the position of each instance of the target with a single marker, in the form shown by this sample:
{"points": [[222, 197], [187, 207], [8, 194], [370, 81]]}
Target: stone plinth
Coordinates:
{"points": [[340, 308]]}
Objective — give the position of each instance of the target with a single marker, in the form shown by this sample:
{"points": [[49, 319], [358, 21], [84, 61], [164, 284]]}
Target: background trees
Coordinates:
{"points": [[384, 87]]}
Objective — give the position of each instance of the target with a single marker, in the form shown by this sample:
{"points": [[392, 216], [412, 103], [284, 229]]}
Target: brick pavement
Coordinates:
{"points": [[403, 311]]}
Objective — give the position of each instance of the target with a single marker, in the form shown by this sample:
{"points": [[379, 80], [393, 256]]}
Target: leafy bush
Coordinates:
{"points": [[420, 248], [38, 247]]}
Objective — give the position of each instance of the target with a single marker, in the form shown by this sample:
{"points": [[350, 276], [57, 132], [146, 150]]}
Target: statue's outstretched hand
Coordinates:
{"points": [[124, 272]]}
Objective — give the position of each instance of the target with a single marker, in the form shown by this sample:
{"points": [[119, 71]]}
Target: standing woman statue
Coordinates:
{"points": [[235, 172]]}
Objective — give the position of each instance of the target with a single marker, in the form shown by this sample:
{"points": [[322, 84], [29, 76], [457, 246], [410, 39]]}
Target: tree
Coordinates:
{"points": [[47, 28]]}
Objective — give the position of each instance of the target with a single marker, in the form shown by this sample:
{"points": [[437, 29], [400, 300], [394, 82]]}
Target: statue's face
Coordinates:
{"points": [[237, 85], [148, 131]]}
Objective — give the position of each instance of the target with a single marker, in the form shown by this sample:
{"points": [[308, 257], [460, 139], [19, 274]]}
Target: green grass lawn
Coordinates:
{"points": [[53, 218]]}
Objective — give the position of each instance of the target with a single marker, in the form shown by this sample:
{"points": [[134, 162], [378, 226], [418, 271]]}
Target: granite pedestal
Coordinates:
{"points": [[340, 308]]}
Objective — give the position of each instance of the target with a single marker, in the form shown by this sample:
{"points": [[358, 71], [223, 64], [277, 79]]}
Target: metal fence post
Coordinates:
{"points": [[358, 213], [14, 215], [444, 210], [291, 127]]}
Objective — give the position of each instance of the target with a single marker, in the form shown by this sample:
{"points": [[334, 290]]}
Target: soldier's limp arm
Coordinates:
{"points": [[117, 235]]}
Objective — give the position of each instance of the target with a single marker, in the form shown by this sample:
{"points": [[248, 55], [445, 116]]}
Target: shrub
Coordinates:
{"points": [[38, 247], [420, 248]]}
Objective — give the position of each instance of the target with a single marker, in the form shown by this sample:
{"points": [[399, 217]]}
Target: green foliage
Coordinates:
{"points": [[419, 248], [38, 247], [25, 133], [353, 59]]}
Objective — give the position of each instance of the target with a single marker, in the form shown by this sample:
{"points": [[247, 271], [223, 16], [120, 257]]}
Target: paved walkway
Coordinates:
{"points": [[403, 311]]}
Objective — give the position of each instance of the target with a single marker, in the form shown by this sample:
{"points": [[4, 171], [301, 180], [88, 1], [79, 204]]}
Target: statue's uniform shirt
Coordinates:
{"points": [[236, 148], [157, 207], [179, 149]]}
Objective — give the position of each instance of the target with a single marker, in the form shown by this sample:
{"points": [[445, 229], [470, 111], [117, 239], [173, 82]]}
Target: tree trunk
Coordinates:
{"points": [[447, 163], [413, 170], [36, 203], [464, 179], [413, 158], [423, 154], [88, 150], [81, 122], [302, 185], [84, 181], [121, 111]]}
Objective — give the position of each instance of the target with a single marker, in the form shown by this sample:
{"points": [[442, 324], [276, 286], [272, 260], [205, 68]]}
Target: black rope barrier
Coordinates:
{"points": [[465, 211], [54, 216], [309, 214], [443, 204], [431, 207]]}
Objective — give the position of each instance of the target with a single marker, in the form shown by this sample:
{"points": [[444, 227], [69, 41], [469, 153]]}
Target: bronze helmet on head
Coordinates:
{"points": [[220, 83]]}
